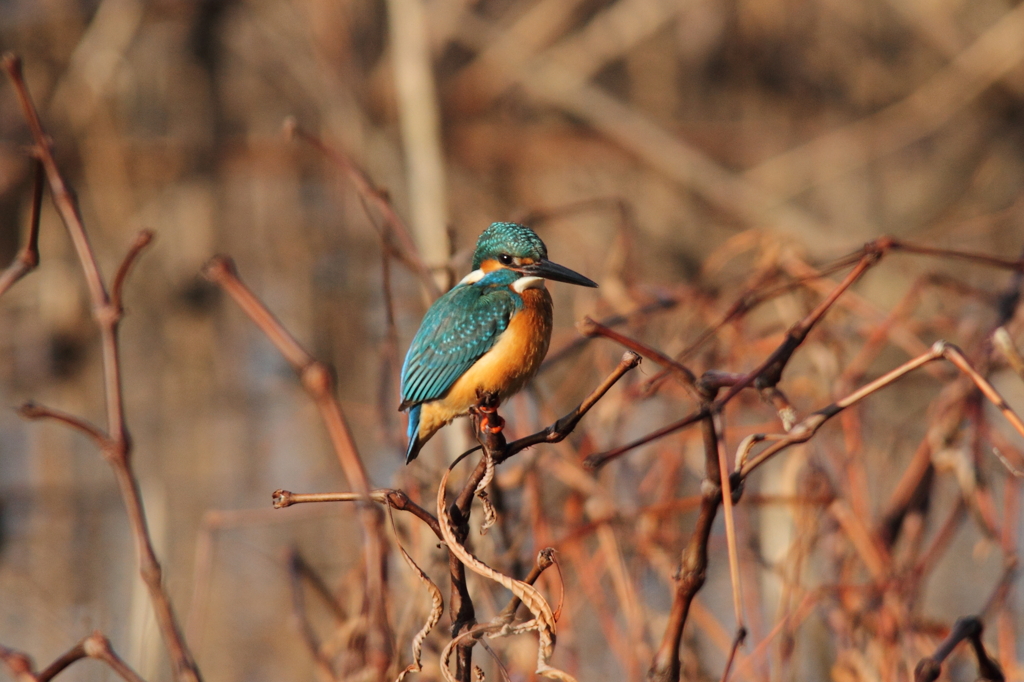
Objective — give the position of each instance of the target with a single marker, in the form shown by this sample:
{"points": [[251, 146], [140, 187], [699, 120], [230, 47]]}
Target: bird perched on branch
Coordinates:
{"points": [[488, 334]]}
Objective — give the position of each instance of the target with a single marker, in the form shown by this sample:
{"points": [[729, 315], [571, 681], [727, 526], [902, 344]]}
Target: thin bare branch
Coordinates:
{"points": [[143, 239], [32, 410], [319, 381], [929, 669], [28, 257], [298, 569], [118, 445], [564, 426], [405, 248]]}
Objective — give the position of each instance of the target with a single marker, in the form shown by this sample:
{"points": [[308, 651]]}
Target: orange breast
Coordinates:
{"points": [[504, 369]]}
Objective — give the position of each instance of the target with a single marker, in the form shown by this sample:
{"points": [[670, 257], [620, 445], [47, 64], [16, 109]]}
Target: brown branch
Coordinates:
{"points": [[28, 257], [19, 664], [545, 559], [665, 667], [95, 646], [737, 642], [558, 431], [749, 300], [297, 571], [611, 321], [488, 427], [929, 669], [768, 373], [406, 249], [589, 327], [318, 379], [117, 450], [1016, 265], [396, 499], [803, 431], [693, 563], [33, 411], [143, 239]]}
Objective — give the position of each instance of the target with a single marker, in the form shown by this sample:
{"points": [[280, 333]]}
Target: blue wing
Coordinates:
{"points": [[458, 329]]}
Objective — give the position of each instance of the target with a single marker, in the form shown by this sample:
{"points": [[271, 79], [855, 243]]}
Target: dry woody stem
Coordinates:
{"points": [[115, 442]]}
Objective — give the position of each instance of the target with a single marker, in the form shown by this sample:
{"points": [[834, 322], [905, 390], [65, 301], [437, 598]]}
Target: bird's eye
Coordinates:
{"points": [[505, 259]]}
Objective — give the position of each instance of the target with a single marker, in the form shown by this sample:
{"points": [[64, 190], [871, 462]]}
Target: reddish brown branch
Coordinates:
{"points": [[693, 563], [95, 646], [608, 322], [589, 327], [28, 257], [751, 299], [117, 448], [768, 373], [396, 499], [319, 381], [558, 431], [31, 410], [393, 224], [980, 258], [298, 570], [143, 239], [929, 669]]}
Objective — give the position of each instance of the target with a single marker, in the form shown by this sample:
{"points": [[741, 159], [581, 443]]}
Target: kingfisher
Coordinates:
{"points": [[488, 334]]}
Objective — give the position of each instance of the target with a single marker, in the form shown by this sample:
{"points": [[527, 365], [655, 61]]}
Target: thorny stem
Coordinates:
{"points": [[107, 315]]}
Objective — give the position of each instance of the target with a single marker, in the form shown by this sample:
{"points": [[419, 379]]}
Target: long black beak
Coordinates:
{"points": [[556, 272]]}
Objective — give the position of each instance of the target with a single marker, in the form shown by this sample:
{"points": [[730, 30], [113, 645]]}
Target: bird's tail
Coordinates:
{"points": [[415, 443]]}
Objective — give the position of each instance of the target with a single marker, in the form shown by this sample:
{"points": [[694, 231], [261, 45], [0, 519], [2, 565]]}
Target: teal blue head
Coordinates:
{"points": [[516, 247]]}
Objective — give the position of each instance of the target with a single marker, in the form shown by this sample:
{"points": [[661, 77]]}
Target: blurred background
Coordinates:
{"points": [[677, 151]]}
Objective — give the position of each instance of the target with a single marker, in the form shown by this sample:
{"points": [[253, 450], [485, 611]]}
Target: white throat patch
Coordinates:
{"points": [[473, 277], [524, 283]]}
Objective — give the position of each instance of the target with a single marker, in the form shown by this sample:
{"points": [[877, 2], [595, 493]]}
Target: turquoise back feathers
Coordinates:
{"points": [[460, 327]]}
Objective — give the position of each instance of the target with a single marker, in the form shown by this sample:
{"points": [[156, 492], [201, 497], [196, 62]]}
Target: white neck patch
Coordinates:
{"points": [[524, 283], [473, 277]]}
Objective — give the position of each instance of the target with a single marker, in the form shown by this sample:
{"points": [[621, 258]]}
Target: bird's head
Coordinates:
{"points": [[515, 247]]}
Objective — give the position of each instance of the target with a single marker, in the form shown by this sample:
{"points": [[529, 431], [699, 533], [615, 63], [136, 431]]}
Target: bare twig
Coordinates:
{"points": [[319, 381], [297, 570], [117, 447], [405, 249], [693, 563], [589, 327], [28, 257], [95, 646], [929, 669], [564, 426], [141, 241], [33, 411], [396, 499]]}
